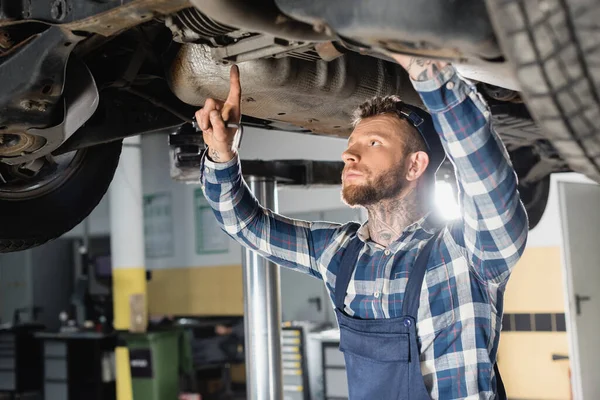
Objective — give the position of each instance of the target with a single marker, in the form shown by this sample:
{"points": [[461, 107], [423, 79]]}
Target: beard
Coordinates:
{"points": [[387, 185]]}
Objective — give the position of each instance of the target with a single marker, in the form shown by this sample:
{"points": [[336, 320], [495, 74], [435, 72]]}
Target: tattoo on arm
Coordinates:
{"points": [[422, 69], [423, 76], [410, 64], [421, 62], [214, 155]]}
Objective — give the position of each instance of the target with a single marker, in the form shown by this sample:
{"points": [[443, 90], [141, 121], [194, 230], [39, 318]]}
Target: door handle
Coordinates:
{"points": [[316, 301], [578, 300]]}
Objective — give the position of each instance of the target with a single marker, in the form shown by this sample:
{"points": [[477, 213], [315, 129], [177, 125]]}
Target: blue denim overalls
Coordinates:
{"points": [[382, 355]]}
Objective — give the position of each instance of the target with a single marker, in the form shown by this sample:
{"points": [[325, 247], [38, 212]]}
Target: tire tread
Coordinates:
{"points": [[557, 71]]}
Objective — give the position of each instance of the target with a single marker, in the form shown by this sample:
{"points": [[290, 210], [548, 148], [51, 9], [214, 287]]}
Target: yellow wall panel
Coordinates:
{"points": [[202, 291], [527, 369], [127, 282], [536, 284]]}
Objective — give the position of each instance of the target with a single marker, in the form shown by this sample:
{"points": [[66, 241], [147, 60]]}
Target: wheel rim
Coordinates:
{"points": [[51, 176]]}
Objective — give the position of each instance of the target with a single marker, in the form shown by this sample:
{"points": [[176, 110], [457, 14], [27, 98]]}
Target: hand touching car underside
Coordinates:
{"points": [[419, 69], [215, 114]]}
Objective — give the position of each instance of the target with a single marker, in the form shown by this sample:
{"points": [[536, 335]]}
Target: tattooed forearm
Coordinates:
{"points": [[421, 62], [423, 76], [214, 155], [428, 72], [425, 69], [410, 64], [420, 69]]}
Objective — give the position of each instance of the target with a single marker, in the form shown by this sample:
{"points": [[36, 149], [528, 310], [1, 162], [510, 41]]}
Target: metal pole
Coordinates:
{"points": [[262, 304], [127, 253]]}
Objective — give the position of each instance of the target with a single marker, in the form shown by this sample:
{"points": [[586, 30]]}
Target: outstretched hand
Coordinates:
{"points": [[215, 114]]}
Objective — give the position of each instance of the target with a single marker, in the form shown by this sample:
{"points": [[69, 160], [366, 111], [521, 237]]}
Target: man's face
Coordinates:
{"points": [[375, 167]]}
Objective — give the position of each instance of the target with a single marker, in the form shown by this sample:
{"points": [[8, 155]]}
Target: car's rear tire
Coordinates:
{"points": [[535, 198], [27, 222], [554, 47]]}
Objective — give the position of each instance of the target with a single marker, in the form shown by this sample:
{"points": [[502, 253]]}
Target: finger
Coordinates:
{"points": [[209, 105], [207, 136], [235, 89], [226, 112], [198, 116], [218, 125]]}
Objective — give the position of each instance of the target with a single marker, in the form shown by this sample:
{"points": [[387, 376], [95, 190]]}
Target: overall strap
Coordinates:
{"points": [[347, 265], [500, 390], [412, 294]]}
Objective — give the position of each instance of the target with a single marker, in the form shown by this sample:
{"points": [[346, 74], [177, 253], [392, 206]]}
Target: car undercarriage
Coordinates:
{"points": [[78, 76]]}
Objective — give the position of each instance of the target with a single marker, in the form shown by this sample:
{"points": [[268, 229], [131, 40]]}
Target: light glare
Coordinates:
{"points": [[445, 200]]}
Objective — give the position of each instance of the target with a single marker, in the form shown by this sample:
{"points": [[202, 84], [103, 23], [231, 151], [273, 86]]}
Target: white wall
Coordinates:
{"points": [[548, 231], [279, 145]]}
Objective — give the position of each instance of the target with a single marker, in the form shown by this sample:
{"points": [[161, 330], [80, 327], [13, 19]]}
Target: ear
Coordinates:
{"points": [[417, 164]]}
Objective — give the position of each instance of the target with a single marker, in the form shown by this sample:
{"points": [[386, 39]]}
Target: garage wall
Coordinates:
{"points": [[534, 327]]}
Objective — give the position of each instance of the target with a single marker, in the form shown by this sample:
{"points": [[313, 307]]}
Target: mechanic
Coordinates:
{"points": [[419, 301]]}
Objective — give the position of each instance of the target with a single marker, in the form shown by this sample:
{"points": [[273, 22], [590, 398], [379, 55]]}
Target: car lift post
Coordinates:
{"points": [[262, 310], [128, 256]]}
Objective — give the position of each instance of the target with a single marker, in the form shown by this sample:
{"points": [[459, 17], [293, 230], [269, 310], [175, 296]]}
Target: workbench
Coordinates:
{"points": [[78, 365], [20, 365]]}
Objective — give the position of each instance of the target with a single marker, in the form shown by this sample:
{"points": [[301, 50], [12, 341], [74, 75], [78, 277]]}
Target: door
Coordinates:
{"points": [[580, 218]]}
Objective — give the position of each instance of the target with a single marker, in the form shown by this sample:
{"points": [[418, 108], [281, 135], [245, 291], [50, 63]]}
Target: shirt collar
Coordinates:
{"points": [[429, 223], [363, 232]]}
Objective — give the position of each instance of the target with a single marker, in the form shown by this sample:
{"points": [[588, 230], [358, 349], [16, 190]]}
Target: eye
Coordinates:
{"points": [[375, 143]]}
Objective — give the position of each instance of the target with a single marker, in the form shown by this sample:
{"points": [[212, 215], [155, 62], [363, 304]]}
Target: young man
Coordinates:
{"points": [[419, 301]]}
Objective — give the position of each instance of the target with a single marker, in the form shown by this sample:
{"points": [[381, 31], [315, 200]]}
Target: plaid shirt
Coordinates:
{"points": [[461, 303]]}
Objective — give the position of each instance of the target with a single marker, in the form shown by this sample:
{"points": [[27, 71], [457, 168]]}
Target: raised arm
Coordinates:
{"points": [[493, 228], [288, 242]]}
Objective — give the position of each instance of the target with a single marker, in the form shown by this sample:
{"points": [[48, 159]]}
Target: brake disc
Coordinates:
{"points": [[16, 143]]}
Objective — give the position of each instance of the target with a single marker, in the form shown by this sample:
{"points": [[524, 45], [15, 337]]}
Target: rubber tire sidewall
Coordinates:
{"points": [[28, 223], [535, 199], [558, 82]]}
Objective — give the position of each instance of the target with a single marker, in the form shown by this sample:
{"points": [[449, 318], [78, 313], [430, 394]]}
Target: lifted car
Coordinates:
{"points": [[78, 76]]}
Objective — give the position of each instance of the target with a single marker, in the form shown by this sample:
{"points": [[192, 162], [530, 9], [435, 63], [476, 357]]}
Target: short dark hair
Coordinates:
{"points": [[381, 105]]}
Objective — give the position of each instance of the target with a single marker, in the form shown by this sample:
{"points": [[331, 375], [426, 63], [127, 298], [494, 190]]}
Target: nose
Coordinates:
{"points": [[350, 155]]}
